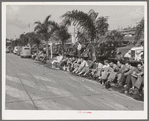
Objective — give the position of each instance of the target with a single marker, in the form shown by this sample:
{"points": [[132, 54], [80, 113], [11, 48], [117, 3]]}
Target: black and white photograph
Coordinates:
{"points": [[74, 60]]}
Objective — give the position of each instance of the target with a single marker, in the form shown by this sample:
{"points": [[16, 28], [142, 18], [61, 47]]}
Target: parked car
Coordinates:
{"points": [[25, 52], [19, 50], [8, 49], [136, 53], [15, 50]]}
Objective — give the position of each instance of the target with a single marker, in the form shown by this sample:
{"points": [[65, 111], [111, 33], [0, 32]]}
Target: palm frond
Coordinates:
{"points": [[38, 28], [37, 22], [83, 19], [47, 18]]}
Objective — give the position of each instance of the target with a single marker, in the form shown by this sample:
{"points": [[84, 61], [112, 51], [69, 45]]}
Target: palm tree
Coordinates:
{"points": [[139, 30], [87, 24], [46, 29], [28, 37], [23, 40], [34, 38], [102, 26], [63, 35]]}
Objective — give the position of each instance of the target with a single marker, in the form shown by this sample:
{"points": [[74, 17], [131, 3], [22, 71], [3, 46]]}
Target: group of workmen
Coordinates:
{"points": [[127, 78]]}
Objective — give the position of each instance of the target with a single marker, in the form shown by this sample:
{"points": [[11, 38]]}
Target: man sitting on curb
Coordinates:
{"points": [[75, 64], [104, 72], [126, 78], [63, 63], [122, 69], [137, 79], [86, 69], [80, 67], [97, 72], [113, 69], [58, 60]]}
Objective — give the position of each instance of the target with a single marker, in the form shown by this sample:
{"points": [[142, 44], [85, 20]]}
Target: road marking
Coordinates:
{"points": [[91, 89], [16, 93], [44, 78], [51, 105], [13, 79], [59, 91], [111, 103]]}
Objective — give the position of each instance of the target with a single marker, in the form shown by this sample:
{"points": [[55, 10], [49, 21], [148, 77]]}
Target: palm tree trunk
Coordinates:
{"points": [[47, 50], [37, 48], [29, 42], [51, 50], [62, 48]]}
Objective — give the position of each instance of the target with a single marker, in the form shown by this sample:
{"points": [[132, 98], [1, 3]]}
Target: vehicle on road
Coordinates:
{"points": [[8, 49], [137, 52], [19, 50], [15, 50], [25, 52]]}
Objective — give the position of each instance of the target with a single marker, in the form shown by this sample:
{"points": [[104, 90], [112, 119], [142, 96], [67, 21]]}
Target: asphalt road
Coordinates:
{"points": [[30, 85]]}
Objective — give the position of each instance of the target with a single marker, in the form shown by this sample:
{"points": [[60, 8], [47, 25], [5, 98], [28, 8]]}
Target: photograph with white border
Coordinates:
{"points": [[74, 60]]}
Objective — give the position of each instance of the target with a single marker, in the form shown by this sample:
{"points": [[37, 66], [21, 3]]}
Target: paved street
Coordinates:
{"points": [[31, 86]]}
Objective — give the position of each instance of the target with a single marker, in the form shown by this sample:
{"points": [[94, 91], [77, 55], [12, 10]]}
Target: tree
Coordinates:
{"points": [[114, 37], [23, 40], [29, 37], [34, 38], [139, 30], [88, 24], [63, 35], [46, 29], [102, 25]]}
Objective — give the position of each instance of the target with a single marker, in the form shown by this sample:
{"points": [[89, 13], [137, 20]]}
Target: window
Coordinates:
{"points": [[132, 53]]}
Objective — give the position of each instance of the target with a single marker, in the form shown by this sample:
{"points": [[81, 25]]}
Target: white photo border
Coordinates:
{"points": [[71, 114]]}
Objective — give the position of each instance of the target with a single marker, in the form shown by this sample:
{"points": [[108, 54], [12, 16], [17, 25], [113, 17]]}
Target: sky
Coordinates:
{"points": [[19, 16]]}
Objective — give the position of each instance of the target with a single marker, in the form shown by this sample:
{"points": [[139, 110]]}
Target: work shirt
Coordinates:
{"points": [[106, 66], [139, 71], [79, 46], [59, 58], [100, 65], [115, 67], [84, 63], [131, 70], [123, 69]]}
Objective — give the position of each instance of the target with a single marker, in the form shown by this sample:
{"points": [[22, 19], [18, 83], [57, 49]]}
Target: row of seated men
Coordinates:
{"points": [[127, 78]]}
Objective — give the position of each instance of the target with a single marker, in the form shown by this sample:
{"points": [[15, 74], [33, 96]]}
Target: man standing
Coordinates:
{"points": [[79, 49]]}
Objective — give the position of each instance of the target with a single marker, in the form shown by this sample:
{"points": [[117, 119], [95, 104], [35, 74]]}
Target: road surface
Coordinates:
{"points": [[30, 85]]}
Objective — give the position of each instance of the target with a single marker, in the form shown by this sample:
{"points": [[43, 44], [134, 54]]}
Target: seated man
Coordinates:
{"points": [[43, 57], [58, 60], [97, 72], [104, 72], [87, 68], [137, 79], [93, 70], [111, 75], [38, 55], [70, 62], [81, 66], [122, 69], [63, 63], [126, 78], [75, 64]]}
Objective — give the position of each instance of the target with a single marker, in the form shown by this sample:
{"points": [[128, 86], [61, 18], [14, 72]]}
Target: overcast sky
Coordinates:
{"points": [[19, 16]]}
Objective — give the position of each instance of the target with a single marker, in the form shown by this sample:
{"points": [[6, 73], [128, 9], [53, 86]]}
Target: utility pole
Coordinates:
{"points": [[29, 32], [28, 27]]}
